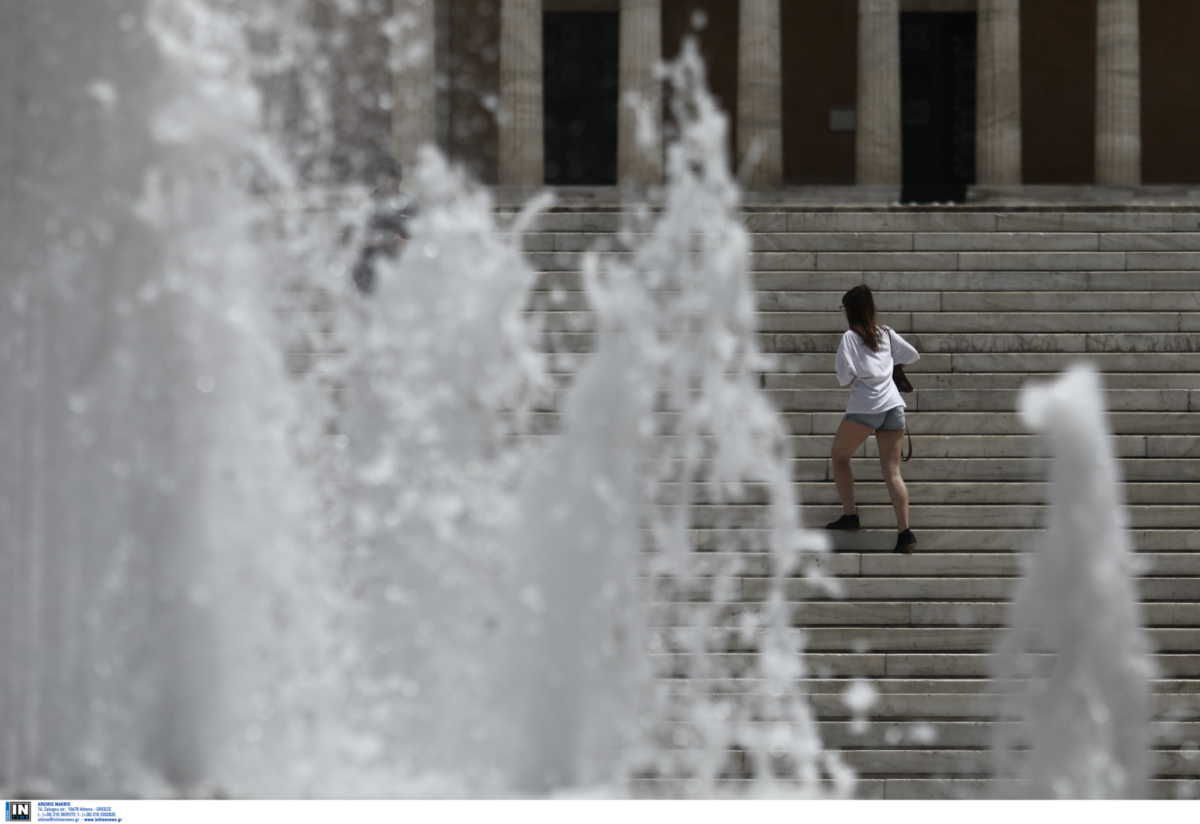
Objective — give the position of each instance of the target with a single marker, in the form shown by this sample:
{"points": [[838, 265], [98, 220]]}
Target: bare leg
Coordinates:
{"points": [[891, 446], [850, 436]]}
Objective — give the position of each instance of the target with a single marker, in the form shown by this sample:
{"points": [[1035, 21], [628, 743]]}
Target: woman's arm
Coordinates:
{"points": [[902, 351], [843, 364]]}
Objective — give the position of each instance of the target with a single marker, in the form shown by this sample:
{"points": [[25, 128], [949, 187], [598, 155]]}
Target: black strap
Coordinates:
{"points": [[907, 434]]}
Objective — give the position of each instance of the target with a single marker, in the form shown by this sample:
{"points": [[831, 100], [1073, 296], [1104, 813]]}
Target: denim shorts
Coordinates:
{"points": [[892, 419]]}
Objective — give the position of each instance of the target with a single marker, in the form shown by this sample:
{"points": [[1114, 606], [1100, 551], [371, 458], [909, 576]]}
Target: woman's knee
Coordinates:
{"points": [[842, 459]]}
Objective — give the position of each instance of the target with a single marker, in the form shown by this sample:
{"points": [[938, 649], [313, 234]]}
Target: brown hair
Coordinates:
{"points": [[860, 314]]}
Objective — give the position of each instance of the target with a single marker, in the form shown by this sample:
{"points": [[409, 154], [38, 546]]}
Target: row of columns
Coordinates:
{"points": [[760, 98], [1118, 155]]}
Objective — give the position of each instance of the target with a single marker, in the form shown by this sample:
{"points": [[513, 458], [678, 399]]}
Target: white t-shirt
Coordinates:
{"points": [[872, 389]]}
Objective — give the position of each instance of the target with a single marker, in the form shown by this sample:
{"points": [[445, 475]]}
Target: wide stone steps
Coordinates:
{"points": [[800, 262], [994, 492], [1076, 344], [1012, 381], [1024, 362], [753, 560], [956, 705], [936, 588], [993, 299], [940, 324], [928, 614], [895, 305], [833, 241], [907, 789], [987, 400], [1127, 447], [957, 763], [922, 279], [607, 219], [957, 423], [869, 551], [881, 665]]}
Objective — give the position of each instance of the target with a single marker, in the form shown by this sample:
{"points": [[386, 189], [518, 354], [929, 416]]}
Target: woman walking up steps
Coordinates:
{"points": [[865, 359]]}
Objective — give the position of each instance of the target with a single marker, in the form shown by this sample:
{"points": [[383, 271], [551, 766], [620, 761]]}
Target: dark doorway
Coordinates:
{"points": [[580, 61], [937, 81]]}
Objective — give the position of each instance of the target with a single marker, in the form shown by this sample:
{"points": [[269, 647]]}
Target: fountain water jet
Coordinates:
{"points": [[147, 502], [362, 582], [1075, 663]]}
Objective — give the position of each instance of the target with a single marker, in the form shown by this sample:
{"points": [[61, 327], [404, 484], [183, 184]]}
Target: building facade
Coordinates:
{"points": [[932, 95]]}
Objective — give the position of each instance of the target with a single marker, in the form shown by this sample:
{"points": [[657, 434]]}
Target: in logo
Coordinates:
{"points": [[17, 811]]}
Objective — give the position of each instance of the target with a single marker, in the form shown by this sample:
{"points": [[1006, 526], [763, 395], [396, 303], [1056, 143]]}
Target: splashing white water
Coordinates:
{"points": [[363, 582], [1075, 663], [694, 341]]}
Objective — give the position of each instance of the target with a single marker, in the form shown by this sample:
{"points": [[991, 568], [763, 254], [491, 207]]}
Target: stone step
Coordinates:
{"points": [[885, 613], [935, 706], [962, 734], [978, 516], [1042, 301], [997, 470], [937, 588], [1078, 345], [891, 261], [751, 557], [910, 323], [990, 400], [994, 492], [931, 789], [981, 469], [935, 468], [920, 279], [1000, 422], [901, 789], [1167, 733], [996, 446], [961, 763], [991, 220], [870, 491], [1022, 362], [894, 302], [941, 516], [802, 218], [966, 343], [855, 241], [990, 380], [1001, 446], [875, 544], [895, 241], [881, 664]]}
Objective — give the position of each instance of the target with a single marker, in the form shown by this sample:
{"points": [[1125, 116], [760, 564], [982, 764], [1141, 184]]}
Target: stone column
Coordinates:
{"points": [[1118, 93], [414, 108], [877, 137], [522, 146], [641, 52], [760, 92], [998, 93]]}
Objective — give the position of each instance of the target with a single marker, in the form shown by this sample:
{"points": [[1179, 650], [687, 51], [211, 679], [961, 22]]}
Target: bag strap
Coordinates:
{"points": [[907, 434]]}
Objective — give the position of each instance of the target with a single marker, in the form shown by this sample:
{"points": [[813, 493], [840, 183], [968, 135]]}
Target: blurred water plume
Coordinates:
{"points": [[719, 440], [1075, 664], [365, 576]]}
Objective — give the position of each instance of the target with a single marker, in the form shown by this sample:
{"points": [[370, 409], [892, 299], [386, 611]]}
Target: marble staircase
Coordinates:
{"points": [[993, 298]]}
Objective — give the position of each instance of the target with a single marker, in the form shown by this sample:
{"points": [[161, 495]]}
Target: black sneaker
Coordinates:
{"points": [[905, 541], [846, 522]]}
